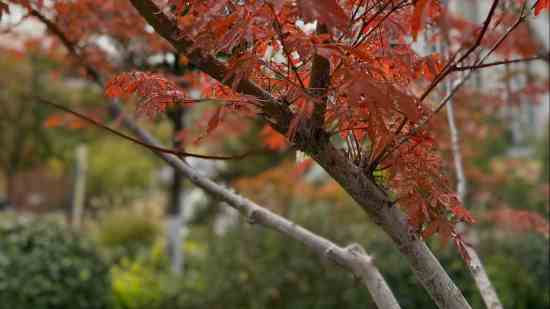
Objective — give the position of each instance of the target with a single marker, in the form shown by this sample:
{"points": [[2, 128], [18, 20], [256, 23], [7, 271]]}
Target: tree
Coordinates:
{"points": [[356, 80]]}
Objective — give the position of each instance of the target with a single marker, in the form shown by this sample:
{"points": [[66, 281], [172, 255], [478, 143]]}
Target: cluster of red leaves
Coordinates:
{"points": [[520, 42], [370, 93], [155, 91], [422, 187], [519, 220]]}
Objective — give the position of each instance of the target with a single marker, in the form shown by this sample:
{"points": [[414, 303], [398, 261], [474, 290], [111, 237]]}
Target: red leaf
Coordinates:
{"points": [[305, 109], [326, 12], [541, 5], [417, 20], [214, 121], [432, 228], [54, 121], [273, 139]]}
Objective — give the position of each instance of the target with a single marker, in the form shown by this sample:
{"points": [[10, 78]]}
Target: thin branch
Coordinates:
{"points": [[450, 68], [278, 30], [455, 87], [319, 82], [98, 124], [492, 64]]}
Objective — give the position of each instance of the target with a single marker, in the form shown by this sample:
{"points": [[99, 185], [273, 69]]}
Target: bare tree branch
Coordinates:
{"points": [[492, 64]]}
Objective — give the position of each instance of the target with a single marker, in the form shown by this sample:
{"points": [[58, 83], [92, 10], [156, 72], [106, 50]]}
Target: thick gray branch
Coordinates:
{"points": [[352, 258]]}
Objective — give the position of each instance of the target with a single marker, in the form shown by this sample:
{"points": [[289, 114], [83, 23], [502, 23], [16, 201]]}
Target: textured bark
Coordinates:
{"points": [[315, 142], [374, 201]]}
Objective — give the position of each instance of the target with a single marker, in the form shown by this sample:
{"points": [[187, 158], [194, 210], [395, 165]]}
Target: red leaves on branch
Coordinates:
{"points": [[304, 111], [417, 20], [156, 93], [375, 75]]}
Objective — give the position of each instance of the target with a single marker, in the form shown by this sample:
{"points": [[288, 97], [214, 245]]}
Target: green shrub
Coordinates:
{"points": [[144, 281], [44, 264], [124, 232]]}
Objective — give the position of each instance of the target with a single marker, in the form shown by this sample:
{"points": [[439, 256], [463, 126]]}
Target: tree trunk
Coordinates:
{"points": [[79, 189], [174, 210], [355, 181], [425, 266], [486, 289]]}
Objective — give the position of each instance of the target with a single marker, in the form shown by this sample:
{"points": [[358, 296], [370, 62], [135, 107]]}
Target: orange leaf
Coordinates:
{"points": [[272, 139], [54, 121]]}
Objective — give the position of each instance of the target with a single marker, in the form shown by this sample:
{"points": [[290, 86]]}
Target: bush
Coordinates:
{"points": [[144, 282], [251, 267], [125, 232], [44, 264]]}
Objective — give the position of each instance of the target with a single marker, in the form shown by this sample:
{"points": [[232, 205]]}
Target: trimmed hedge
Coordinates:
{"points": [[44, 264]]}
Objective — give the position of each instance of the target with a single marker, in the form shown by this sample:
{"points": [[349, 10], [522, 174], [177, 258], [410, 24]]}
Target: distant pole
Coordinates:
{"points": [[79, 189]]}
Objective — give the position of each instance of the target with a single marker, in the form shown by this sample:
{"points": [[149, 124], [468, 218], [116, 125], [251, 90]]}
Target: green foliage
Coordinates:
{"points": [[119, 171], [543, 151], [251, 267], [44, 264], [125, 232], [144, 282]]}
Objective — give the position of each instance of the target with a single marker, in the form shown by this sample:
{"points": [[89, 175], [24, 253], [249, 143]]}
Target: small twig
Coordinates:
{"points": [[491, 64]]}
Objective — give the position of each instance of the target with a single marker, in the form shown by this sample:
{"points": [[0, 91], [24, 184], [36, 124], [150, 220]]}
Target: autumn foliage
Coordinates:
{"points": [[376, 103]]}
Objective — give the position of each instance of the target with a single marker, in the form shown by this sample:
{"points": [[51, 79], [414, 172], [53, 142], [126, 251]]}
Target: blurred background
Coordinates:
{"points": [[95, 221]]}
